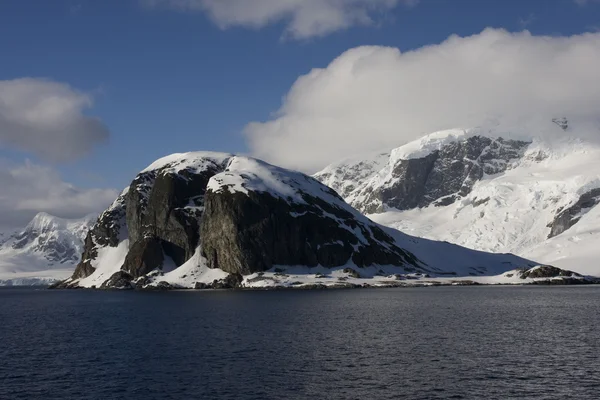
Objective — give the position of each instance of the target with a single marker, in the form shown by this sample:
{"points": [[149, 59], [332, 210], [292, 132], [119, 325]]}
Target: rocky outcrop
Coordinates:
{"points": [[549, 275], [251, 231], [439, 178], [108, 231], [547, 271], [159, 213], [567, 217], [119, 280]]}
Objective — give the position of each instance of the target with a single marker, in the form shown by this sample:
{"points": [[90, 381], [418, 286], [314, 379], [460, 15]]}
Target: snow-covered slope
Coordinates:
{"points": [[530, 193], [46, 250], [347, 175]]}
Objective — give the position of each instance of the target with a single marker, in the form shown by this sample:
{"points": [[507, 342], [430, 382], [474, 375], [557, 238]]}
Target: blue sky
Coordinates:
{"points": [[166, 79]]}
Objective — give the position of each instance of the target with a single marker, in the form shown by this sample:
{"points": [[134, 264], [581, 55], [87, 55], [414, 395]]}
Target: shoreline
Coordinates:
{"points": [[347, 286]]}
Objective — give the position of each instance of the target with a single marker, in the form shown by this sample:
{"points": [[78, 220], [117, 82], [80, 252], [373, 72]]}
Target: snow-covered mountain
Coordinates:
{"points": [[196, 219], [484, 189], [47, 249]]}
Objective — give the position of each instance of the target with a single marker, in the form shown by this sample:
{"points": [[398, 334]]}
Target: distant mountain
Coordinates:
{"points": [[481, 189], [203, 219], [44, 251]]}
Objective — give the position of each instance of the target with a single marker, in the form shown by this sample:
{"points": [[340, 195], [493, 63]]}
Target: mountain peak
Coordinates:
{"points": [[46, 243], [43, 222]]}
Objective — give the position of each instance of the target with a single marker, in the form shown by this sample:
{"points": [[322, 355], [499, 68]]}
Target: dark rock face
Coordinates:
{"points": [[246, 233], [119, 280], [143, 257], [159, 214], [568, 217], [443, 176], [83, 270], [108, 231], [232, 281], [410, 189], [352, 272], [167, 207]]}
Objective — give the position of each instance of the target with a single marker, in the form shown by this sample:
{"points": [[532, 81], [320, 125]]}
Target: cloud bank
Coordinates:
{"points": [[29, 188], [46, 118], [303, 18], [371, 98]]}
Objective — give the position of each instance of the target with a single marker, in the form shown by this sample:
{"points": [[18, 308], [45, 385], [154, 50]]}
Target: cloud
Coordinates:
{"points": [[303, 18], [46, 118], [29, 188], [377, 97]]}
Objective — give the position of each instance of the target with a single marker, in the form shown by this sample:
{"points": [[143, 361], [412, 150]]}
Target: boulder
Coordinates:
{"points": [[119, 280], [232, 281], [352, 273]]}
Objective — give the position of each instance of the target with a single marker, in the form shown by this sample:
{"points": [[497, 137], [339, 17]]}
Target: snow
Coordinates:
{"points": [[46, 250], [244, 174], [428, 144], [196, 162], [189, 273], [381, 276], [510, 212], [507, 212], [345, 176], [109, 261], [34, 278], [575, 249]]}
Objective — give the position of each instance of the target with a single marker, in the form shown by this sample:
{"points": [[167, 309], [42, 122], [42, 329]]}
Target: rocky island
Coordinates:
{"points": [[202, 219]]}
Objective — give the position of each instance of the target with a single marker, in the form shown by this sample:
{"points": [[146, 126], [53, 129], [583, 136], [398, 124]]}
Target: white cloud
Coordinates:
{"points": [[29, 188], [303, 18], [377, 97], [46, 118]]}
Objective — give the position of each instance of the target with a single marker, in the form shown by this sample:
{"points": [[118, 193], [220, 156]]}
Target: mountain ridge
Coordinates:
{"points": [[44, 250], [540, 193]]}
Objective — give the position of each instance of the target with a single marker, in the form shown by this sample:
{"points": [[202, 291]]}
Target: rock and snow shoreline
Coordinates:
{"points": [[299, 278]]}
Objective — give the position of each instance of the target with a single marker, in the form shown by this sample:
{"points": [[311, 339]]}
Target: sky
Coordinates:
{"points": [[91, 91]]}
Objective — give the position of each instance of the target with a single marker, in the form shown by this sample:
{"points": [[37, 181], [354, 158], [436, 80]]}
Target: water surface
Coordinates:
{"points": [[411, 343]]}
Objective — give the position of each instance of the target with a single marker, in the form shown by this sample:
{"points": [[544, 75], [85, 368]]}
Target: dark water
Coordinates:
{"points": [[427, 343]]}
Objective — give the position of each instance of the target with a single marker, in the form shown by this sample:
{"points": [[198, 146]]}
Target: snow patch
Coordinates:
{"points": [[109, 261], [196, 162], [244, 175], [194, 270]]}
